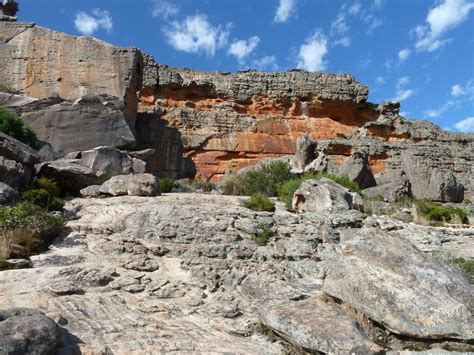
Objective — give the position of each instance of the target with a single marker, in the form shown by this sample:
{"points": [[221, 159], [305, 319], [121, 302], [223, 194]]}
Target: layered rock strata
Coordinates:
{"points": [[185, 270]]}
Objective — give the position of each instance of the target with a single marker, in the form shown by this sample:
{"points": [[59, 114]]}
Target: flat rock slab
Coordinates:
{"points": [[317, 326], [392, 282]]}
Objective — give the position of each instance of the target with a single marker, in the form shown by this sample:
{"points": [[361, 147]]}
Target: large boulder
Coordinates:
{"points": [[388, 279], [13, 149], [27, 331], [88, 122], [357, 168], [323, 195], [70, 174], [317, 326], [132, 185], [8, 196], [14, 174], [429, 182], [393, 185], [111, 160], [80, 169]]}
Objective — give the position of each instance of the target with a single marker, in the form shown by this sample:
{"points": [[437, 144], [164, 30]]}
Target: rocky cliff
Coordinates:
{"points": [[221, 121]]}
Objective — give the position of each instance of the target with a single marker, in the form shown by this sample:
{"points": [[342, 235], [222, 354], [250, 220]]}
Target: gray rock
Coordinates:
{"points": [[8, 196], [305, 152], [431, 183], [27, 331], [89, 122], [318, 326], [91, 191], [70, 174], [357, 168], [13, 149], [132, 185], [392, 185], [387, 278], [14, 174], [322, 195], [108, 160]]}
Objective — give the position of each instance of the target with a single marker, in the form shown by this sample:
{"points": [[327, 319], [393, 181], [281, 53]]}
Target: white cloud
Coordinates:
{"points": [[195, 35], [457, 90], [242, 48], [266, 63], [355, 8], [339, 25], [466, 125], [380, 80], [445, 16], [402, 93], [164, 9], [343, 41], [312, 52], [286, 9], [378, 3], [87, 24], [403, 55]]}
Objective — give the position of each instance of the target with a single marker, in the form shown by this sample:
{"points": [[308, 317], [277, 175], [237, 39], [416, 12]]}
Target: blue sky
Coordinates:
{"points": [[419, 52]]}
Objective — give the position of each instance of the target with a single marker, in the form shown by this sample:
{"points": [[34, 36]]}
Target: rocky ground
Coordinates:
{"points": [[183, 272]]}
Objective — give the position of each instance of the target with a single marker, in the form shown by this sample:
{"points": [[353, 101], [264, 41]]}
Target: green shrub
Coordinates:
{"points": [[342, 180], [466, 266], [266, 179], [26, 229], [287, 190], [207, 186], [48, 184], [232, 184], [263, 235], [38, 197], [14, 126], [28, 216], [168, 184], [46, 195], [259, 202], [435, 212]]}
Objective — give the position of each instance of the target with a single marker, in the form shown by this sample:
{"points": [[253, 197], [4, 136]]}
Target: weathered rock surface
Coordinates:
{"points": [[78, 170], [322, 195], [8, 196], [14, 174], [27, 331], [13, 149], [185, 270], [132, 185], [392, 185], [357, 168], [318, 326], [85, 123], [385, 277], [41, 62]]}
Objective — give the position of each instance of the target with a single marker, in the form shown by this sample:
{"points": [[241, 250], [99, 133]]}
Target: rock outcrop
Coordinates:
{"points": [[186, 270], [132, 185]]}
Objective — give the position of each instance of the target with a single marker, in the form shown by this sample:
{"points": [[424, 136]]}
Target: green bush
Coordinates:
{"points": [[466, 266], [26, 229], [232, 184], [45, 195], [266, 179], [168, 184], [28, 216], [438, 213], [259, 202], [287, 190], [14, 126], [263, 235]]}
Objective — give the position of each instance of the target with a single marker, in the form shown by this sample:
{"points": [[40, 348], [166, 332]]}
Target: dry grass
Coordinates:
{"points": [[6, 243]]}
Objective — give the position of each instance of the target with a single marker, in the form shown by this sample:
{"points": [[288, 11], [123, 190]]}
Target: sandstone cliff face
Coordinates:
{"points": [[40, 62], [221, 121]]}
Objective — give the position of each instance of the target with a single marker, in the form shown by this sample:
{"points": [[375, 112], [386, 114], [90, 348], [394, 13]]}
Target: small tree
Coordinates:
{"points": [[14, 126]]}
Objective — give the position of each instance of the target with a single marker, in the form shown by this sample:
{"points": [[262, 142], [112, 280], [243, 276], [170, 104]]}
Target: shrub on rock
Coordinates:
{"points": [[259, 202], [14, 126]]}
